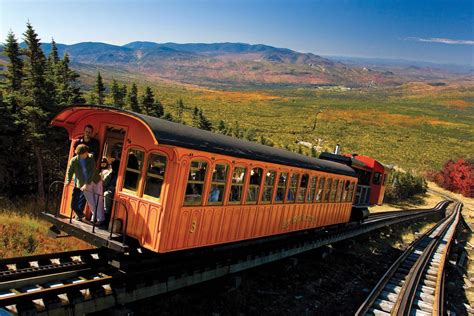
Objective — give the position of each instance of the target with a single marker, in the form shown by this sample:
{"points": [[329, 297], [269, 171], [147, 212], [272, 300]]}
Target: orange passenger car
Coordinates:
{"points": [[180, 187]]}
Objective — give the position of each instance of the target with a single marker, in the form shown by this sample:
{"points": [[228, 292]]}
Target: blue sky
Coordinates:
{"points": [[437, 31]]}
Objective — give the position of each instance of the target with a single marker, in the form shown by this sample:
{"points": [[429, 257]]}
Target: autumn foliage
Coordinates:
{"points": [[456, 176]]}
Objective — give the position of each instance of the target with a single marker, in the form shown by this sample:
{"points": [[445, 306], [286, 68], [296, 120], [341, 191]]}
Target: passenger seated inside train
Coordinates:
{"points": [[254, 184], [194, 189], [214, 194]]}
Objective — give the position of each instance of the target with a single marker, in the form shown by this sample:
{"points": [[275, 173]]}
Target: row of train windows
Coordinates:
{"points": [[297, 188], [277, 188]]}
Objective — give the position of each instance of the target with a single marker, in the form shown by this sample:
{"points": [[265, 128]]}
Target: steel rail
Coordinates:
{"points": [[396, 292], [152, 275], [31, 266]]}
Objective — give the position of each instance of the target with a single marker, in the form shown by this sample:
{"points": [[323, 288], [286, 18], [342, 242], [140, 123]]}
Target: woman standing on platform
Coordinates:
{"points": [[82, 166]]}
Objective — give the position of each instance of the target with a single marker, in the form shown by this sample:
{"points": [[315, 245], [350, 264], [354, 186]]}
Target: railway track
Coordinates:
{"points": [[87, 281], [413, 285]]}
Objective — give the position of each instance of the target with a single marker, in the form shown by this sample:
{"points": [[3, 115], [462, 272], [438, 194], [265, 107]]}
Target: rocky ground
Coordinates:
{"points": [[333, 280]]}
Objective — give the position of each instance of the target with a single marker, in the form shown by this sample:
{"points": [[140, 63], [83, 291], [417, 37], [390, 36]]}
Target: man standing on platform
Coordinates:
{"points": [[78, 201]]}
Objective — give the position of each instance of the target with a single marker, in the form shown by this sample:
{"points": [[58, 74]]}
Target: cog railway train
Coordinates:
{"points": [[180, 187]]}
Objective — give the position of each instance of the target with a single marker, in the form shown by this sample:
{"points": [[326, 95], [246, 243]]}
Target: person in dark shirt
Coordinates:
{"points": [[87, 139], [78, 201]]}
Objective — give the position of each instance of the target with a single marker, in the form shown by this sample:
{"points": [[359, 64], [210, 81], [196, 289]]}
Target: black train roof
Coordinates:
{"points": [[180, 135]]}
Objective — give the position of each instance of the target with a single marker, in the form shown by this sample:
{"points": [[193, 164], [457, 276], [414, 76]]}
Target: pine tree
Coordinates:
{"points": [[250, 134], [133, 99], [53, 56], [148, 100], [204, 123], [117, 95], [237, 131], [14, 73], [314, 153], [195, 117], [68, 89], [34, 115], [179, 110], [169, 117], [123, 92], [265, 141], [222, 128], [99, 89], [7, 141], [159, 110]]}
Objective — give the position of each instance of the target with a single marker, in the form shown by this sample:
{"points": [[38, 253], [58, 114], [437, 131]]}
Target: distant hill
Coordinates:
{"points": [[224, 65]]}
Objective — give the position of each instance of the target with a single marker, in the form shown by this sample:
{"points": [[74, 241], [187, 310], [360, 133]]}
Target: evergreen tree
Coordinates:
{"points": [[148, 100], [250, 134], [68, 90], [123, 91], [179, 110], [99, 89], [222, 128], [34, 115], [14, 73], [237, 131], [195, 117], [159, 110], [265, 141], [51, 72], [204, 123], [53, 56], [169, 117], [117, 95], [7, 142], [133, 99]]}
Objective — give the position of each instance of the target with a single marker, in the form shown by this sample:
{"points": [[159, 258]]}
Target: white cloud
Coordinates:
{"points": [[441, 40]]}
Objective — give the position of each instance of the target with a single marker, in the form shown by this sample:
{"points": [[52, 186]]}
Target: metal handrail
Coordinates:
{"points": [[114, 201]]}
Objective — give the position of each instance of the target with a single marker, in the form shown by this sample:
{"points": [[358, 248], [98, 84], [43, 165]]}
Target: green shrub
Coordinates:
{"points": [[403, 185]]}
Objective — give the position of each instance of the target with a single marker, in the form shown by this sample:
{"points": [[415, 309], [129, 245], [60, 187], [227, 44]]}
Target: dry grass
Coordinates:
{"points": [[22, 233], [427, 200]]}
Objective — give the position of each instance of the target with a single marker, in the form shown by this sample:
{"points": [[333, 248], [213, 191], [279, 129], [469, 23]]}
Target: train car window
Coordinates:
{"points": [[237, 187], [351, 192], [281, 188], [332, 196], [312, 189], [302, 189], [292, 190], [254, 185], [319, 192], [195, 187], [217, 189], [133, 170], [327, 190], [340, 189], [377, 178], [345, 191], [155, 175], [268, 186]]}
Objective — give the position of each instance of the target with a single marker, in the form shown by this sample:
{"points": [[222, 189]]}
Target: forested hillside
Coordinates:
{"points": [[416, 125]]}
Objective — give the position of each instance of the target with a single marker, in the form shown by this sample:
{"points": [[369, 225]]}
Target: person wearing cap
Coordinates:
{"points": [[88, 180]]}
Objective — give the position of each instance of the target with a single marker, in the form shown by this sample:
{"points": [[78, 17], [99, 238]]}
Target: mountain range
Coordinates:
{"points": [[228, 65]]}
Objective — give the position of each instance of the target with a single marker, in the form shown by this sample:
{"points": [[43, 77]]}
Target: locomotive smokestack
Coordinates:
{"points": [[336, 150]]}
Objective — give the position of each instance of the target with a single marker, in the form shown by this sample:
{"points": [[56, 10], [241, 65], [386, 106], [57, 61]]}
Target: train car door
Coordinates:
{"points": [[111, 154]]}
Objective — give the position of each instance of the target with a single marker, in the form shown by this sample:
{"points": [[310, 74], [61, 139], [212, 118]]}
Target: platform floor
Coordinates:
{"points": [[82, 230]]}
